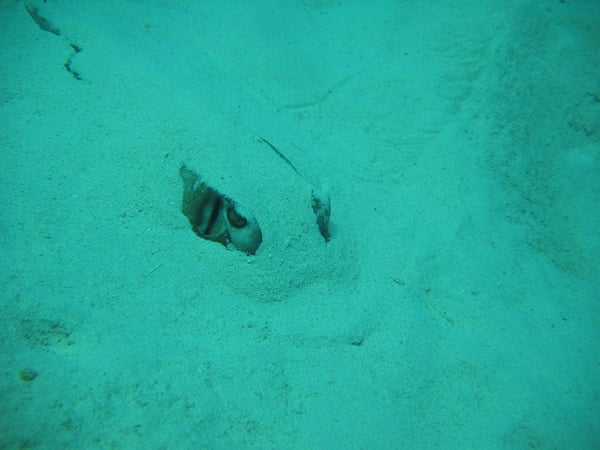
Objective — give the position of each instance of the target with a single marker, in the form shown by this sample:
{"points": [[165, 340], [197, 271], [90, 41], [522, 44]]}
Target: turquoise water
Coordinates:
{"points": [[456, 303]]}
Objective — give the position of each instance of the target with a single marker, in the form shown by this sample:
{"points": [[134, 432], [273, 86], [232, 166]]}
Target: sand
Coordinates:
{"points": [[457, 304]]}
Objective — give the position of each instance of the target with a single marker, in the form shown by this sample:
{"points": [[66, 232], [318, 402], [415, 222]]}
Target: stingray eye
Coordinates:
{"points": [[235, 219]]}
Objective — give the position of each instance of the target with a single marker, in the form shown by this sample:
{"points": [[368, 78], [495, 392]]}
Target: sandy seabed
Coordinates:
{"points": [[457, 304]]}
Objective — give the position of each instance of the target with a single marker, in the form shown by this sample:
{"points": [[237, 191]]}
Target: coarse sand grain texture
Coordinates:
{"points": [[456, 304]]}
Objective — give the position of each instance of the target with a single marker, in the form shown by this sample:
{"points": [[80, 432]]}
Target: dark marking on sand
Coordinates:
{"points": [[69, 62], [42, 22], [320, 202], [281, 155]]}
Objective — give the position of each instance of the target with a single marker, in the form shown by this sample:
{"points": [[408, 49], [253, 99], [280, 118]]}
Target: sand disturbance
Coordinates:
{"points": [[296, 246]]}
